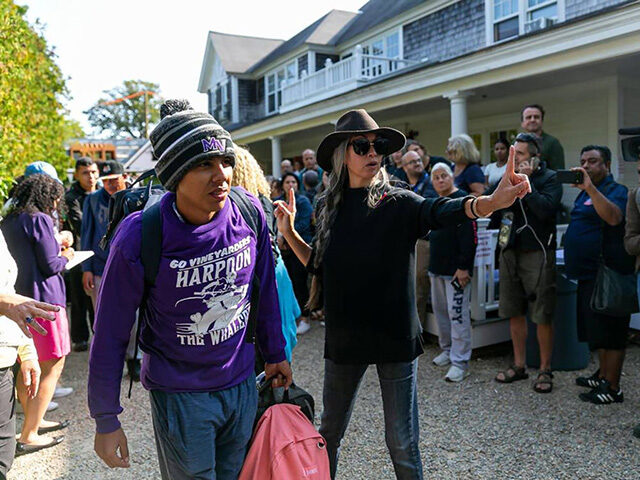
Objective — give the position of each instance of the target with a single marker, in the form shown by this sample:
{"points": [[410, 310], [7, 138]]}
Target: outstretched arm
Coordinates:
{"points": [[285, 215]]}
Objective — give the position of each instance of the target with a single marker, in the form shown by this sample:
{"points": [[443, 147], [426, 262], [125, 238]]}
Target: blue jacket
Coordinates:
{"points": [[95, 219]]}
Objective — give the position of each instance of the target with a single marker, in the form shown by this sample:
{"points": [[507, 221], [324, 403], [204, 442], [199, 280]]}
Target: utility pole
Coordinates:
{"points": [[146, 115], [146, 94]]}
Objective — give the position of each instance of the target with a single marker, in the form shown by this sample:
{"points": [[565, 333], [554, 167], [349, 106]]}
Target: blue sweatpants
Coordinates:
{"points": [[204, 435]]}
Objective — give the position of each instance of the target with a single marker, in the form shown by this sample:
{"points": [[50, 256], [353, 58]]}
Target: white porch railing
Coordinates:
{"points": [[484, 293], [337, 78]]}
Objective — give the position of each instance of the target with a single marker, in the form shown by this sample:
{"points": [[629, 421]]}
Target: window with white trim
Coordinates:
{"points": [[507, 19], [387, 45], [273, 85]]}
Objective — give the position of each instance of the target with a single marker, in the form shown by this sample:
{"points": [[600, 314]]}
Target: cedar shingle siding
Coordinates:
{"points": [[303, 64], [251, 99], [576, 8], [321, 58], [447, 33]]}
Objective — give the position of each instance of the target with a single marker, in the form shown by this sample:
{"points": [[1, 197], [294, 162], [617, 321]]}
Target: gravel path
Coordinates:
{"points": [[474, 430]]}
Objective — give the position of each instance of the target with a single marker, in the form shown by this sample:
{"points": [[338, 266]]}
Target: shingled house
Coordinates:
{"points": [[435, 67]]}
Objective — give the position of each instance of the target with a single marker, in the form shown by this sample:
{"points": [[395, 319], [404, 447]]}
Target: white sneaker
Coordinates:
{"points": [[50, 408], [62, 392], [456, 374], [442, 359], [303, 327]]}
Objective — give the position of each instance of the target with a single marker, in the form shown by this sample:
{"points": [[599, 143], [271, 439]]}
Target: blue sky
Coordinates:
{"points": [[101, 43]]}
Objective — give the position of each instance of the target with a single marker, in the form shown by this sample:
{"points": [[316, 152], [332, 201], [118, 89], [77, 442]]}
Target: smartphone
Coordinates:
{"points": [[570, 176], [456, 284]]}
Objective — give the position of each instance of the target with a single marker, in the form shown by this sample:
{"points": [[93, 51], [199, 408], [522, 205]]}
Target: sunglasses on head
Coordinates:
{"points": [[361, 146]]}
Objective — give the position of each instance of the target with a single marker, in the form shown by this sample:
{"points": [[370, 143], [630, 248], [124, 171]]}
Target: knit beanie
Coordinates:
{"points": [[184, 138]]}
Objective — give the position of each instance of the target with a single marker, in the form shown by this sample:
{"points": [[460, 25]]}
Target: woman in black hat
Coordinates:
{"points": [[367, 289]]}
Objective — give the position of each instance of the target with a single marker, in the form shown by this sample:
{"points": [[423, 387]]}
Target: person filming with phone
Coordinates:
{"points": [[527, 241], [596, 231]]}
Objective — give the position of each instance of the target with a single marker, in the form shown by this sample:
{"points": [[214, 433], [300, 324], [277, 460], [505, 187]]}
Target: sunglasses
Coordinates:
{"points": [[361, 146]]}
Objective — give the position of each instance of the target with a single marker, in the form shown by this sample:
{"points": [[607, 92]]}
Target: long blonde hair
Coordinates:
{"points": [[248, 174], [330, 202]]}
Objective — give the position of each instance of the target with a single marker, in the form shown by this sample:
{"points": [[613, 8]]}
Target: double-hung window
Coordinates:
{"points": [[387, 46], [274, 83], [509, 18]]}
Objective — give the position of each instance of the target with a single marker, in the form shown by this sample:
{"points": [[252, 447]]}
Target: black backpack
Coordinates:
{"points": [[147, 199], [268, 397]]}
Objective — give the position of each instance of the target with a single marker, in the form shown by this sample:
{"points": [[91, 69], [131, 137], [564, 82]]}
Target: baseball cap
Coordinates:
{"points": [[41, 167], [110, 169]]}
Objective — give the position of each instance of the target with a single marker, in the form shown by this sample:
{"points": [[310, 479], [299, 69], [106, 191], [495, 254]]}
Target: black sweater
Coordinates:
{"points": [[453, 247], [540, 206], [369, 289]]}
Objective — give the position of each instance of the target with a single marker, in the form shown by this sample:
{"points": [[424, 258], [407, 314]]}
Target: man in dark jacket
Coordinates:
{"points": [[86, 181], [527, 262]]}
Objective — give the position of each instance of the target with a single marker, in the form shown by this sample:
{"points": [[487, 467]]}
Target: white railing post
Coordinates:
{"points": [[285, 94], [358, 60], [327, 71], [303, 85], [484, 257]]}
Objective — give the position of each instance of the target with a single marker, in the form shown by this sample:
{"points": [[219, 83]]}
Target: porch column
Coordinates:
{"points": [[458, 102], [276, 156]]}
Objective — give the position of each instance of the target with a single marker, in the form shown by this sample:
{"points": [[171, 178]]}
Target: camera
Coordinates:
{"points": [[630, 144]]}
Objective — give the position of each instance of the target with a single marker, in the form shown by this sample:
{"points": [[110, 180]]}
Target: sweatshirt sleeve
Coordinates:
{"points": [[434, 213], [87, 233], [46, 247], [27, 350], [120, 297], [269, 322], [467, 237]]}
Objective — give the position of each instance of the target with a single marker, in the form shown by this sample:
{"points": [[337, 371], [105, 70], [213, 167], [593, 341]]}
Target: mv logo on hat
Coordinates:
{"points": [[211, 144]]}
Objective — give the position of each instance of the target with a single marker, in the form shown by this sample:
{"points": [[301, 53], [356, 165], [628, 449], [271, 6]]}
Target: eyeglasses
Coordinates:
{"points": [[361, 146], [416, 161]]}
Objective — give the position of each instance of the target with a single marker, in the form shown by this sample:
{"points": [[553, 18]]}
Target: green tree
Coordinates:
{"points": [[122, 111], [32, 121]]}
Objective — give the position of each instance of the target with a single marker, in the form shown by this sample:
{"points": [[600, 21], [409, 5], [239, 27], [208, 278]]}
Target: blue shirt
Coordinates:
{"points": [[95, 220], [471, 174], [582, 242], [424, 187]]}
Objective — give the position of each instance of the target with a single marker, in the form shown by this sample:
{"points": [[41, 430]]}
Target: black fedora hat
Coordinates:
{"points": [[355, 122]]}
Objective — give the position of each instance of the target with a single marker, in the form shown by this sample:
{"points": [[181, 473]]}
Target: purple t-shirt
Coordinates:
{"points": [[194, 340], [33, 245]]}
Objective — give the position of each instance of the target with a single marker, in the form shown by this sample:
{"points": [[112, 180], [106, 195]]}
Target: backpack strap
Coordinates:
{"points": [[150, 252], [250, 215], [151, 247]]}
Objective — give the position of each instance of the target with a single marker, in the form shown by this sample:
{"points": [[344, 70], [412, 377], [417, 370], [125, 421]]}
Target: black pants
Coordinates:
{"points": [[81, 307], [7, 421], [298, 274]]}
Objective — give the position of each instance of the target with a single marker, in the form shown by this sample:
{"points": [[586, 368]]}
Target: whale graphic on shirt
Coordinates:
{"points": [[222, 298]]}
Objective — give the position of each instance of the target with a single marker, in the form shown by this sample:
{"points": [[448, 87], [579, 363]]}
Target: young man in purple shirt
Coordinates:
{"points": [[196, 365]]}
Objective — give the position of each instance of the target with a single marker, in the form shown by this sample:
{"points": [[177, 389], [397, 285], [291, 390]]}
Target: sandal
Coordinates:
{"points": [[544, 379], [512, 374]]}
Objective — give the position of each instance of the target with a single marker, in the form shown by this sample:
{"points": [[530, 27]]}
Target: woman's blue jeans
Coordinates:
{"points": [[400, 403]]}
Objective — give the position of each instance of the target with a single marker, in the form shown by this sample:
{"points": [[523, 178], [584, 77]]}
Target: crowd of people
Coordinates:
{"points": [[369, 214]]}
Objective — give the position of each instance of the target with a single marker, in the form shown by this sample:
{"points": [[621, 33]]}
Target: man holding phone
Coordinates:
{"points": [[597, 228], [527, 262]]}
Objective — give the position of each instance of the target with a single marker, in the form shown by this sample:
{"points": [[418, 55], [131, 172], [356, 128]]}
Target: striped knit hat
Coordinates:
{"points": [[183, 138]]}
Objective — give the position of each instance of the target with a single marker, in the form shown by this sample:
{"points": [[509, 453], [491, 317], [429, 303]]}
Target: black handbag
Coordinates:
{"points": [[614, 293], [267, 397]]}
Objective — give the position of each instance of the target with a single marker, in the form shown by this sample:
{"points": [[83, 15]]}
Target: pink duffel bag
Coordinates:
{"points": [[286, 446]]}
